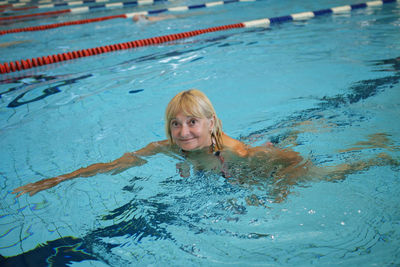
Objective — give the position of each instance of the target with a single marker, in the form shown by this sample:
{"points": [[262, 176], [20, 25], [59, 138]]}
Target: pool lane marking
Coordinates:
{"points": [[28, 2], [185, 8], [20, 6], [23, 5], [46, 60], [80, 9], [128, 15], [311, 14], [123, 5], [61, 24]]}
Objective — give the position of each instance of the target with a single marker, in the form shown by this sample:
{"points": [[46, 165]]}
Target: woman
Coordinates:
{"points": [[195, 132]]}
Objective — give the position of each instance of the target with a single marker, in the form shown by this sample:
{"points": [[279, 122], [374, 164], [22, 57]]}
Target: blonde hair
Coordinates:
{"points": [[193, 103]]}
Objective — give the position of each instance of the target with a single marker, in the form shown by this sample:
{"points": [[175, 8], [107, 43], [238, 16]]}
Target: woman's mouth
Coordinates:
{"points": [[186, 140]]}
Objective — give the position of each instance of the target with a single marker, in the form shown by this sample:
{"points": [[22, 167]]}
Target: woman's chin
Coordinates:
{"points": [[188, 147]]}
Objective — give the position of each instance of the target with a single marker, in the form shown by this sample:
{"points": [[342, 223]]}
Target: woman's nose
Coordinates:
{"points": [[184, 130]]}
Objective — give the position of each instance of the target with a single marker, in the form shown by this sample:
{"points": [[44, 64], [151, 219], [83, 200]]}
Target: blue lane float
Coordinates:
{"points": [[78, 3], [85, 9], [311, 14]]}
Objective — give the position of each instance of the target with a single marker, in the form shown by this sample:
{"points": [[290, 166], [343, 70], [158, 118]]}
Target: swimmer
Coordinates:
{"points": [[144, 18], [194, 133], [141, 17]]}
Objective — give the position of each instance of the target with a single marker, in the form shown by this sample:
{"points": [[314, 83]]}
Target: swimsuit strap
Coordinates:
{"points": [[224, 168]]}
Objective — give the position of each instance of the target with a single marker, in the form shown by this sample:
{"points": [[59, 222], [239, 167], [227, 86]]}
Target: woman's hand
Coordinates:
{"points": [[33, 188]]}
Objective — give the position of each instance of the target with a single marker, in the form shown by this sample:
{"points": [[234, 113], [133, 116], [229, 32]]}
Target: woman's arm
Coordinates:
{"points": [[127, 161]]}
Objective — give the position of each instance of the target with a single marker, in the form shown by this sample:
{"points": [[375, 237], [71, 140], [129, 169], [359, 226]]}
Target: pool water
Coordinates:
{"points": [[326, 87]]}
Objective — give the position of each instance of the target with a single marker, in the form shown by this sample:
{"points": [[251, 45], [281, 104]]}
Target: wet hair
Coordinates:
{"points": [[196, 104]]}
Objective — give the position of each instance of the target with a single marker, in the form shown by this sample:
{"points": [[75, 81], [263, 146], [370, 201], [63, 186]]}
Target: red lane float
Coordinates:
{"points": [[50, 13], [61, 24], [46, 60]]}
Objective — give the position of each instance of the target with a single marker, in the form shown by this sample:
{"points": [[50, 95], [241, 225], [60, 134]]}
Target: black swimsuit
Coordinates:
{"points": [[184, 169], [224, 168]]}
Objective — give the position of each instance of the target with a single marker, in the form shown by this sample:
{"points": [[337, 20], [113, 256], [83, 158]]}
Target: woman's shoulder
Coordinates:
{"points": [[234, 145]]}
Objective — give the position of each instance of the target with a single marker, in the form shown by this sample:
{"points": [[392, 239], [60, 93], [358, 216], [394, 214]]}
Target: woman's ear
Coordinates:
{"points": [[212, 123]]}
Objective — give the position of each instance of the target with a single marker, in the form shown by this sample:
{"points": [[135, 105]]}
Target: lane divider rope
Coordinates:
{"points": [[40, 2], [6, 2], [5, 8], [127, 15], [80, 9], [61, 24], [21, 6], [46, 60], [44, 14]]}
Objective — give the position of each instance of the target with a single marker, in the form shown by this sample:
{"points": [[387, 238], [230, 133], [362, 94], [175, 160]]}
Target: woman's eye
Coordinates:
{"points": [[174, 124], [192, 122]]}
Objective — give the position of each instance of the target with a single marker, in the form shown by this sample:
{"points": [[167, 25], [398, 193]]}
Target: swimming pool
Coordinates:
{"points": [[327, 87]]}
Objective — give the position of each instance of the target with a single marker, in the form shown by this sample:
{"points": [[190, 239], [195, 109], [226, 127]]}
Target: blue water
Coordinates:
{"points": [[328, 88]]}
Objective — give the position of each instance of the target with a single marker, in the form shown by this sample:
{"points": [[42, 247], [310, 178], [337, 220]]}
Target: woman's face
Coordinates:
{"points": [[191, 133]]}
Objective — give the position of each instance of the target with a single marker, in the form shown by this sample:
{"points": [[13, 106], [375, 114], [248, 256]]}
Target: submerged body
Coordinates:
{"points": [[195, 133], [233, 161]]}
